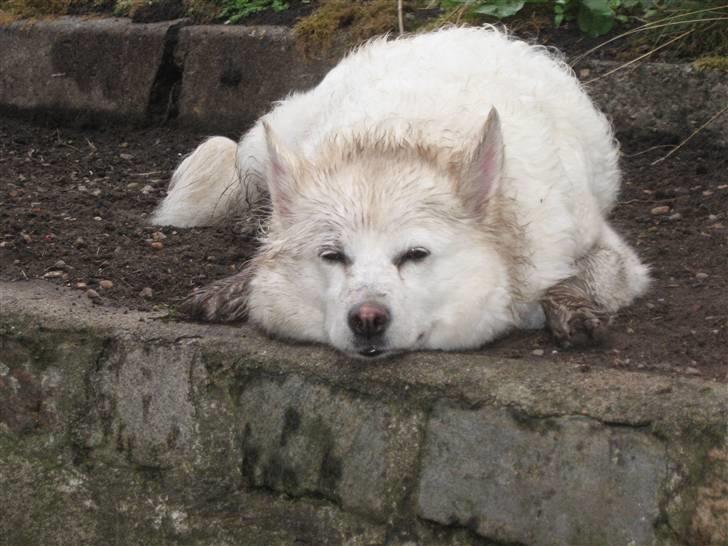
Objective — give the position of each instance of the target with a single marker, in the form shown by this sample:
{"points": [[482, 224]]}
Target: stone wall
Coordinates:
{"points": [[222, 78], [125, 425]]}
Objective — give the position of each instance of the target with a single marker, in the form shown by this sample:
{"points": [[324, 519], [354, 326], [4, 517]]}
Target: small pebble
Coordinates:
{"points": [[675, 216], [126, 156], [53, 275], [98, 218], [80, 286], [106, 284], [701, 276], [92, 294], [146, 189], [693, 371], [156, 245], [158, 236], [147, 293], [537, 352], [79, 242], [662, 209], [60, 264], [663, 389]]}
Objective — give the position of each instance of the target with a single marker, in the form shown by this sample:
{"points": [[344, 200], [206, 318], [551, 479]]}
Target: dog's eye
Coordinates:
{"points": [[415, 254], [334, 256]]}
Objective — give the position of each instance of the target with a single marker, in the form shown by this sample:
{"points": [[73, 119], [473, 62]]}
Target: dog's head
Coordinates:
{"points": [[381, 250]]}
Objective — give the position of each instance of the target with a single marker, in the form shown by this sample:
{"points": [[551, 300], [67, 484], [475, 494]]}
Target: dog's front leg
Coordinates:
{"points": [[225, 300], [579, 309]]}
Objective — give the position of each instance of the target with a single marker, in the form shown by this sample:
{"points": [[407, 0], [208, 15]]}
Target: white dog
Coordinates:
{"points": [[431, 192]]}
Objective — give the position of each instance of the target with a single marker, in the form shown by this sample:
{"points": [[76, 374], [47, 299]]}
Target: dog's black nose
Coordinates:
{"points": [[368, 319]]}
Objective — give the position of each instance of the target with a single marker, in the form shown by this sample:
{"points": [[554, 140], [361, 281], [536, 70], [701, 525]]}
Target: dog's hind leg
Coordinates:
{"points": [[205, 188], [579, 309]]}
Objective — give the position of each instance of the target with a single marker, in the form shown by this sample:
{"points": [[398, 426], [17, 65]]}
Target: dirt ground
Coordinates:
{"points": [[73, 205]]}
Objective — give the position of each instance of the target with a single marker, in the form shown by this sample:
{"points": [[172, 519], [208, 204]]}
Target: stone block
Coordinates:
{"points": [[142, 398], [552, 481], [233, 74], [307, 439]]}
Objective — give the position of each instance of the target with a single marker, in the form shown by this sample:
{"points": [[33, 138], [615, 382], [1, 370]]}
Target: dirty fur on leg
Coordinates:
{"points": [[225, 300], [580, 309]]}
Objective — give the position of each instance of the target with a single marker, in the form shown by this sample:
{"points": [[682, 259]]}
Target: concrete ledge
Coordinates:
{"points": [[222, 78], [431, 448], [69, 67]]}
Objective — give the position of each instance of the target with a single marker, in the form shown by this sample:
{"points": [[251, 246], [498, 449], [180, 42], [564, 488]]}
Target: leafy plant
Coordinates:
{"points": [[235, 10], [594, 17]]}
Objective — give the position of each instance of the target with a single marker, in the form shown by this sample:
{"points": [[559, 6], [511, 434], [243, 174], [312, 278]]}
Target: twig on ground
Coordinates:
{"points": [[648, 150], [703, 126], [400, 16], [636, 59]]}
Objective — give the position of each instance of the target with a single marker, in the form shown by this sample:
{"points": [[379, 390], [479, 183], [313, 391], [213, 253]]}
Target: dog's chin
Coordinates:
{"points": [[371, 352], [378, 349]]}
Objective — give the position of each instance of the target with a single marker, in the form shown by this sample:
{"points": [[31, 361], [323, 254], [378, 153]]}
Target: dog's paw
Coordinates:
{"points": [[574, 319], [225, 300]]}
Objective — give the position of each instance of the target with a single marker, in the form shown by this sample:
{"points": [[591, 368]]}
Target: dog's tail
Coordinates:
{"points": [[204, 188]]}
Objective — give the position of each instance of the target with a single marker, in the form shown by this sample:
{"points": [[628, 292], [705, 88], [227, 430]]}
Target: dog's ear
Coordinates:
{"points": [[282, 166], [481, 175], [225, 300]]}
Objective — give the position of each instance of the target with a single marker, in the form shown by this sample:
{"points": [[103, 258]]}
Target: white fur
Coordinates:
{"points": [[203, 188], [377, 159]]}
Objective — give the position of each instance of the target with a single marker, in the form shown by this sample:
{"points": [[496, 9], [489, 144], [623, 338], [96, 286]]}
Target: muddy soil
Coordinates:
{"points": [[73, 206]]}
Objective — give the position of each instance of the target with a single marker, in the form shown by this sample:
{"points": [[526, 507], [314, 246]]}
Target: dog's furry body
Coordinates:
{"points": [[402, 219]]}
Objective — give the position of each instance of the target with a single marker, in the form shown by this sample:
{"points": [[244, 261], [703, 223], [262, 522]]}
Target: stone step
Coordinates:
{"points": [[115, 422]]}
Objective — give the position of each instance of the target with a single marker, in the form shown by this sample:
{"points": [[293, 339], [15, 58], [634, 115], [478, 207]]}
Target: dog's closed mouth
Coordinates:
{"points": [[371, 351]]}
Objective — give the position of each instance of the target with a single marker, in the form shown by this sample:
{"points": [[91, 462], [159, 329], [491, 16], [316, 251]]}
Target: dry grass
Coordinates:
{"points": [[39, 8], [349, 21]]}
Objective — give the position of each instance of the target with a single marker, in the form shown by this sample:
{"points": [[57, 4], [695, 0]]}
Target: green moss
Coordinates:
{"points": [[717, 62]]}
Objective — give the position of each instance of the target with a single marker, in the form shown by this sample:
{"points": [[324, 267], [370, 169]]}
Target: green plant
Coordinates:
{"points": [[235, 10], [594, 17]]}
